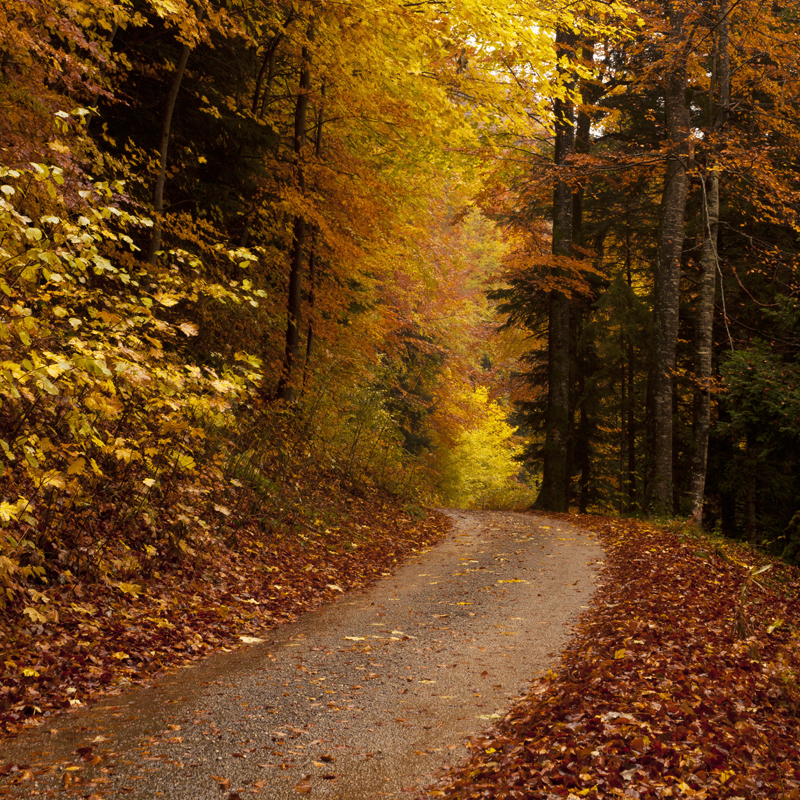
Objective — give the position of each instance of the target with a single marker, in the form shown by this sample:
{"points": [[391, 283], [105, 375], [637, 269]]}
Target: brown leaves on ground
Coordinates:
{"points": [[658, 695], [109, 634]]}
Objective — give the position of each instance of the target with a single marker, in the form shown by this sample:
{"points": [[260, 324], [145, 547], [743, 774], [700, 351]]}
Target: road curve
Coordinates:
{"points": [[367, 698]]}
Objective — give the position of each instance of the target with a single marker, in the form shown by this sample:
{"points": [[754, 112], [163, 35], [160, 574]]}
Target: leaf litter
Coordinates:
{"points": [[103, 639], [682, 681]]}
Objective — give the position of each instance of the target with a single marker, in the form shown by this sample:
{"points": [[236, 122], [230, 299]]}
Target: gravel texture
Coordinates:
{"points": [[367, 698]]}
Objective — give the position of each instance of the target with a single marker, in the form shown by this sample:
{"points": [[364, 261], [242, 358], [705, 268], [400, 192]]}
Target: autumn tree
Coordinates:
{"points": [[668, 199], [718, 108], [554, 492], [666, 300]]}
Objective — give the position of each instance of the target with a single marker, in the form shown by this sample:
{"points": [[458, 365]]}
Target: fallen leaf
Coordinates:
{"points": [[223, 783]]}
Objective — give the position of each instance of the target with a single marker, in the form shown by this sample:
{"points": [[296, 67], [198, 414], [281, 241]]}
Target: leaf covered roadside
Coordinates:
{"points": [[683, 681], [113, 634]]}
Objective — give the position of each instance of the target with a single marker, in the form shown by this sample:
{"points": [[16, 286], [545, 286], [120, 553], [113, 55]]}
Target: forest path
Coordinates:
{"points": [[364, 699]]}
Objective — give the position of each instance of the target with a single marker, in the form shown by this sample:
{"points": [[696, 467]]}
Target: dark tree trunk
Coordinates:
{"points": [[286, 386], [580, 452], [632, 491], [629, 377], [668, 273], [584, 437], [555, 474], [163, 147], [312, 256], [312, 300], [266, 75]]}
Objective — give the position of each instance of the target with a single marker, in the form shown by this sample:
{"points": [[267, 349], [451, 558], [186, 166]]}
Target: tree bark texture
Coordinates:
{"points": [[312, 255], [286, 386], [708, 272], [704, 342], [553, 495], [668, 271], [628, 376]]}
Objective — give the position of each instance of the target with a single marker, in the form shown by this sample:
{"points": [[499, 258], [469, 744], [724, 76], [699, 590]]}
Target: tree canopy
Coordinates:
{"points": [[245, 241]]}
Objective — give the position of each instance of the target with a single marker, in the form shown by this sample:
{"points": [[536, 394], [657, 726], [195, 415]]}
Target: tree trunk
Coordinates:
{"points": [[286, 389], [708, 274], [553, 494], [629, 374], [580, 451], [704, 344], [632, 498], [668, 273], [312, 300], [266, 75], [312, 256], [163, 147]]}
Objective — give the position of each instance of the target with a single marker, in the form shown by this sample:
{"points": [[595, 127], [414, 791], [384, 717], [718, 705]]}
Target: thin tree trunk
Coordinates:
{"points": [[163, 147], [312, 300], [585, 480], [629, 376], [267, 70], [704, 344], [553, 493], [632, 495], [623, 416], [708, 273], [312, 257], [580, 452], [286, 389], [667, 284]]}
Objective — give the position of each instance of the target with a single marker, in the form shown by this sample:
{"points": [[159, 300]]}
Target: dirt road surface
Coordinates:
{"points": [[365, 699]]}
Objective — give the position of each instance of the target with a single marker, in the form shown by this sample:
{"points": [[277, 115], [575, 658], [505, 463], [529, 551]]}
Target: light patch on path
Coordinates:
{"points": [[367, 698]]}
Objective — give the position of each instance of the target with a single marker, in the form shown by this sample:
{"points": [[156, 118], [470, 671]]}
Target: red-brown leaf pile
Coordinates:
{"points": [[660, 695], [106, 637]]}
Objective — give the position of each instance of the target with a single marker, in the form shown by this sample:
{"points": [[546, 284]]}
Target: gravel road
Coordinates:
{"points": [[367, 698]]}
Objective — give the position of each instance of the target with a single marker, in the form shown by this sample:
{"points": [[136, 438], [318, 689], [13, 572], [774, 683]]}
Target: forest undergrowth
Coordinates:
{"points": [[106, 635], [682, 681]]}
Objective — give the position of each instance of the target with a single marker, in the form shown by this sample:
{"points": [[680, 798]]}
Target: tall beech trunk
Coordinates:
{"points": [[704, 320], [286, 389], [553, 495], [668, 271], [163, 148]]}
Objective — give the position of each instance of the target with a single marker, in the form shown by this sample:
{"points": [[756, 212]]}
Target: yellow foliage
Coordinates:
{"points": [[480, 471]]}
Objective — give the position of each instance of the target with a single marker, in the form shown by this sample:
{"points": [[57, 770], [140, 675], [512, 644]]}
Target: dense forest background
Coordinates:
{"points": [[482, 254]]}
